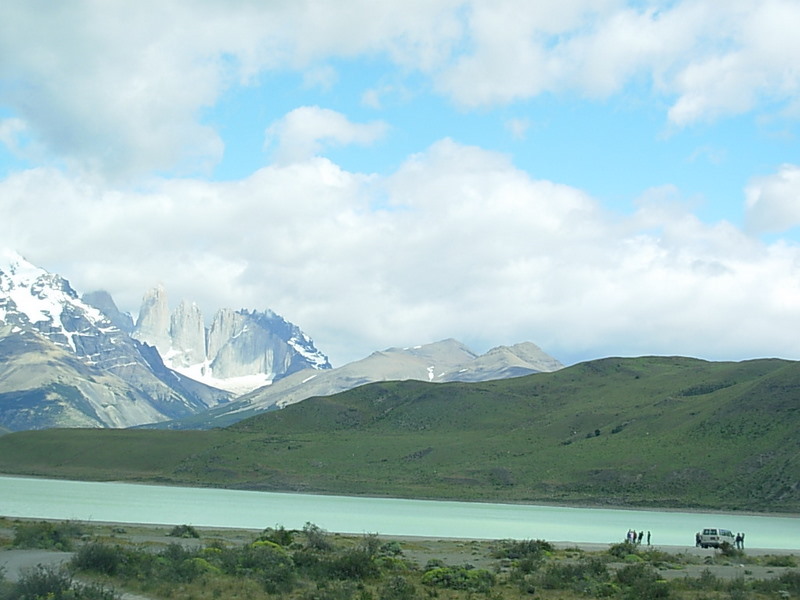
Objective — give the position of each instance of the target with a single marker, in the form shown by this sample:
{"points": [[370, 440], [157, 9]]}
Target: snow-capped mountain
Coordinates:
{"points": [[70, 361], [447, 360], [64, 363], [240, 351]]}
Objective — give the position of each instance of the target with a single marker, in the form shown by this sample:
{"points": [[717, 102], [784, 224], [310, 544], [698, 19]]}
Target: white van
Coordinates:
{"points": [[714, 538]]}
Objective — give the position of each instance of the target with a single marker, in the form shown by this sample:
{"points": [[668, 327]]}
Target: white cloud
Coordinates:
{"points": [[107, 89], [457, 243], [773, 201], [306, 131], [713, 60], [122, 89]]}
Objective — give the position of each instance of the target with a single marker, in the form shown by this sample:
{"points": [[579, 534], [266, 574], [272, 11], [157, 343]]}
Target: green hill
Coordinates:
{"points": [[654, 431]]}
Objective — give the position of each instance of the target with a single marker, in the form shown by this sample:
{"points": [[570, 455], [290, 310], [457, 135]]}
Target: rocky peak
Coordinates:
{"points": [[240, 351], [152, 326], [188, 335], [103, 301]]}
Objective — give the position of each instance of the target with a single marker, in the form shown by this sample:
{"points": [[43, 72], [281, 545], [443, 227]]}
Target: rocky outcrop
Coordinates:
{"points": [[153, 323], [187, 336], [239, 351]]}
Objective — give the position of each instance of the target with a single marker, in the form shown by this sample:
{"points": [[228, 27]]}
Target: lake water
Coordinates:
{"points": [[203, 507]]}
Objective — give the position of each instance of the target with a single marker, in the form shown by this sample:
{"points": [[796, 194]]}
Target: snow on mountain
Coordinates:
{"points": [[239, 351], [446, 360], [45, 300], [95, 375], [70, 361]]}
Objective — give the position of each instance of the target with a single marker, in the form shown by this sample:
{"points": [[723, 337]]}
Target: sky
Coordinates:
{"points": [[599, 177]]}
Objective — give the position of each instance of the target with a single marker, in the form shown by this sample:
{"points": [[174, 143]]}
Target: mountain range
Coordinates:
{"points": [[70, 361], [444, 361]]}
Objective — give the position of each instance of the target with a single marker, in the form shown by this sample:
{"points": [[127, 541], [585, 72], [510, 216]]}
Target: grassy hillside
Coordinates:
{"points": [[667, 432]]}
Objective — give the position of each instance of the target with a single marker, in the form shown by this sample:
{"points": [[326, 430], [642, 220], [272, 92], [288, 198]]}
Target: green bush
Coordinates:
{"points": [[780, 560], [391, 549], [730, 551], [459, 578], [174, 563], [398, 588], [787, 583], [623, 549], [52, 583], [583, 576], [317, 538], [356, 563], [98, 558], [514, 549], [335, 590], [264, 561], [642, 581], [279, 535], [184, 531], [46, 535]]}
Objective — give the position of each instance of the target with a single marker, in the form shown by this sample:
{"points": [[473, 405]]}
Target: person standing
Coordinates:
{"points": [[648, 538]]}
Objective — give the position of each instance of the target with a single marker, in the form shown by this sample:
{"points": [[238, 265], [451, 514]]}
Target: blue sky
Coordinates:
{"points": [[600, 177]]}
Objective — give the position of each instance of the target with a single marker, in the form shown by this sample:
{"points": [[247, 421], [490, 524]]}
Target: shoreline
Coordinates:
{"points": [[139, 528]]}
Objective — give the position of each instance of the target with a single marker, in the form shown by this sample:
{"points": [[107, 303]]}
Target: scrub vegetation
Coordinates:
{"points": [[312, 564], [648, 432]]}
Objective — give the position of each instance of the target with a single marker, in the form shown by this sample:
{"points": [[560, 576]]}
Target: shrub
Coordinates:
{"points": [[357, 563], [278, 534], [57, 584], [46, 535], [336, 590], [708, 581], [173, 563], [790, 581], [265, 561], [99, 558], [184, 531], [390, 549], [657, 558], [623, 549], [459, 578], [780, 560], [730, 551], [522, 549], [317, 538], [392, 564], [583, 576], [787, 583], [641, 581], [398, 588]]}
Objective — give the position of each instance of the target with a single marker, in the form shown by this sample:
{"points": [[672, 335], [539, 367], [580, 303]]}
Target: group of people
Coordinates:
{"points": [[636, 538], [739, 541]]}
